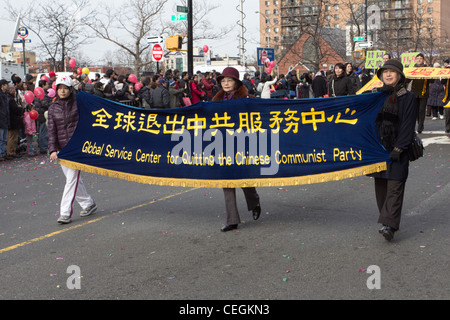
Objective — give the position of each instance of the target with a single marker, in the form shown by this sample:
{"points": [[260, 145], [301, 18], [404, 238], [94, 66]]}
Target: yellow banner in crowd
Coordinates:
{"points": [[427, 73], [411, 73]]}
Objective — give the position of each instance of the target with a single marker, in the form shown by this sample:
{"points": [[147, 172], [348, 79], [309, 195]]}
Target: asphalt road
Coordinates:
{"points": [[162, 243]]}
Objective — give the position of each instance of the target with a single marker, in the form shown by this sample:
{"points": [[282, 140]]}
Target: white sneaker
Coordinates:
{"points": [[64, 220], [434, 118], [441, 117], [88, 211]]}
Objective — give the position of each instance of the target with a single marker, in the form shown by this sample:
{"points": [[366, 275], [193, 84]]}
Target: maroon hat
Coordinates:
{"points": [[231, 73]]}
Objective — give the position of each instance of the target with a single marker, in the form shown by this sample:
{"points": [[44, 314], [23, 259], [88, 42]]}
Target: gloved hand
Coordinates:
{"points": [[395, 155]]}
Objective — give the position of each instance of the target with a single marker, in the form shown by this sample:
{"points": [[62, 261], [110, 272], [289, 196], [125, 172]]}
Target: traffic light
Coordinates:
{"points": [[174, 43]]}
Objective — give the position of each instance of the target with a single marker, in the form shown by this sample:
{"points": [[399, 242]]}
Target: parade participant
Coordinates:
{"points": [[340, 85], [232, 88], [421, 89], [396, 123], [62, 122]]}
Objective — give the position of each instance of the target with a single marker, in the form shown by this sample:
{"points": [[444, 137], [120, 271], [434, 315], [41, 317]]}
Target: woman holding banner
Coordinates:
{"points": [[396, 124], [62, 122], [232, 88]]}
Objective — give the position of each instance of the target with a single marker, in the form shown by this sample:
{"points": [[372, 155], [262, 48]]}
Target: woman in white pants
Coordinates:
{"points": [[62, 122]]}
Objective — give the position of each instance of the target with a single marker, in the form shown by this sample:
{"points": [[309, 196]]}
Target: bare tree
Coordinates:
{"points": [[129, 26], [60, 27], [312, 28]]}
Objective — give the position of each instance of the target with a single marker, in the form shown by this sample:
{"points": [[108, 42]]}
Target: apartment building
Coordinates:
{"points": [[419, 25]]}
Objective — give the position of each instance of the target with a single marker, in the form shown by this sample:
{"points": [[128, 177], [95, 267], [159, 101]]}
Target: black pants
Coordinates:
{"points": [[422, 103], [389, 194], [251, 197]]}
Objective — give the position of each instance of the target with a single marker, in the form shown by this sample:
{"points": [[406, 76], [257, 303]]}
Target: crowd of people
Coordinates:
{"points": [[173, 89]]}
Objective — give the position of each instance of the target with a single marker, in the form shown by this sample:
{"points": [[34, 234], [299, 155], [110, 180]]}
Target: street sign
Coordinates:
{"points": [[154, 40], [22, 32], [20, 41], [157, 53], [179, 17], [182, 9], [264, 54], [359, 39], [368, 44]]}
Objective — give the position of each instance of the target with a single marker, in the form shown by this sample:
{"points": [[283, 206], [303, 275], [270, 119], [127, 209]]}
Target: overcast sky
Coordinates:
{"points": [[226, 15]]}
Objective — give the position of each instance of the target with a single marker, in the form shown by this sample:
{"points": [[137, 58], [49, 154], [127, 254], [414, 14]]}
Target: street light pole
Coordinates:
{"points": [[190, 39]]}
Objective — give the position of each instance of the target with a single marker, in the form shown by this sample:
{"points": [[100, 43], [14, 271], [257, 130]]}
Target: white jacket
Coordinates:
{"points": [[265, 91]]}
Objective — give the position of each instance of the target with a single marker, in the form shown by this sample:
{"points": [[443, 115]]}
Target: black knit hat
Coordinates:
{"points": [[393, 65]]}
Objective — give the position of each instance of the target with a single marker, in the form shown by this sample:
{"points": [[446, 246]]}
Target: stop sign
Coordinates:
{"points": [[264, 56], [157, 53]]}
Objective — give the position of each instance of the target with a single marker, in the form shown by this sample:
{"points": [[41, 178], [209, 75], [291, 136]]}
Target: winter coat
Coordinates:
{"points": [[437, 94], [208, 85], [146, 97], [4, 111], [265, 91], [341, 86], [15, 114], [62, 122], [174, 97], [42, 106], [240, 92], [160, 98], [319, 87], [418, 86], [355, 81], [407, 117], [196, 93]]}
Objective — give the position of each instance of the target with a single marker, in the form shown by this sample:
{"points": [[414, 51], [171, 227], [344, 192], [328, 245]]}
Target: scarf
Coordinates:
{"points": [[387, 120]]}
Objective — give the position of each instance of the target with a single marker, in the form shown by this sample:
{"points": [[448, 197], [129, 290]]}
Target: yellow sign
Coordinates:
{"points": [[372, 84], [427, 73]]}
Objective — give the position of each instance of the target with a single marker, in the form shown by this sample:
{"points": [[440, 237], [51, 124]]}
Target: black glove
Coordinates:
{"points": [[394, 155]]}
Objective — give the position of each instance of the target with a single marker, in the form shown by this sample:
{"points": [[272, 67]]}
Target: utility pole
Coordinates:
{"points": [[190, 39]]}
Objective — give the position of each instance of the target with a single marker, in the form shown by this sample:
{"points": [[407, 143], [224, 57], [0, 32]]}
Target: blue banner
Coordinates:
{"points": [[228, 144]]}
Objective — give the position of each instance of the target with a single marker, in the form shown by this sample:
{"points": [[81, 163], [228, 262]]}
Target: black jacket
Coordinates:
{"points": [[4, 111], [407, 117], [341, 86], [319, 86], [15, 114]]}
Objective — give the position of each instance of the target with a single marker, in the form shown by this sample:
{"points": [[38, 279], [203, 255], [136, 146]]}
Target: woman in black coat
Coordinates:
{"points": [[396, 126], [340, 84]]}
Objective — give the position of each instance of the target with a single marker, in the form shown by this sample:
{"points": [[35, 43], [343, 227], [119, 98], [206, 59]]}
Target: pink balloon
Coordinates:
{"points": [[138, 86], [272, 64], [39, 93], [269, 70], [72, 63], [51, 93], [45, 78], [29, 97], [132, 78], [79, 71], [205, 49], [267, 63]]}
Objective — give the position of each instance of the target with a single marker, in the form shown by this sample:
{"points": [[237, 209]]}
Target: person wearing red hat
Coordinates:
{"points": [[232, 88], [52, 78]]}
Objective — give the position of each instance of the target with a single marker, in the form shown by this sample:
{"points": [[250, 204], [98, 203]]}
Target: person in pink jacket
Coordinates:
{"points": [[197, 93]]}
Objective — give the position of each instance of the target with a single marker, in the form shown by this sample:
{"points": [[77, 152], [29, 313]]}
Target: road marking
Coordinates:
{"points": [[436, 140], [50, 235], [428, 204]]}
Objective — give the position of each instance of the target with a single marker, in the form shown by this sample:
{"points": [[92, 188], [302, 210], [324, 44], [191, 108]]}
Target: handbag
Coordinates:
{"points": [[187, 102], [415, 150]]}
